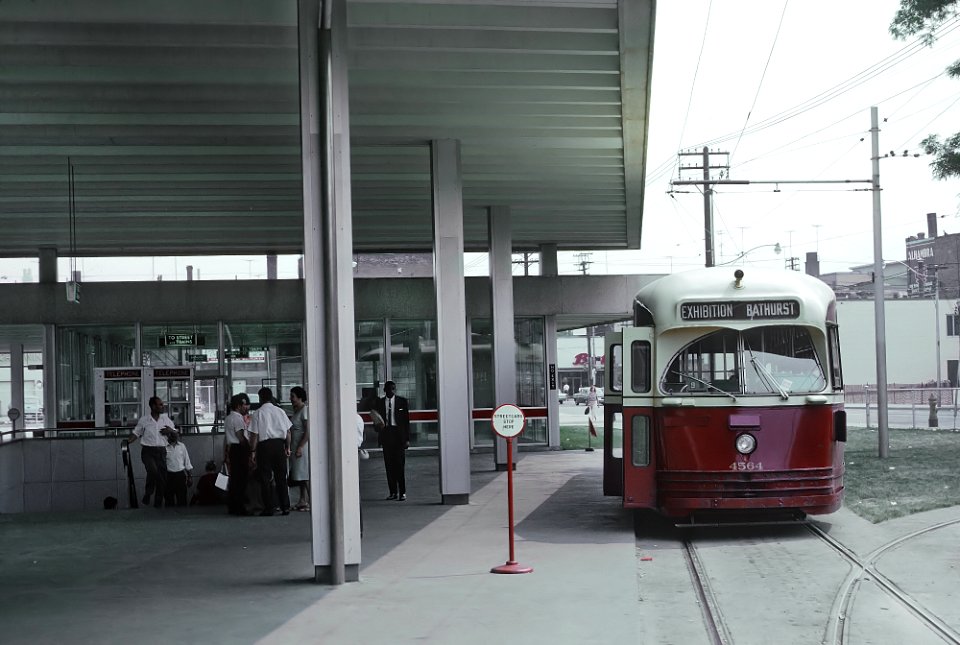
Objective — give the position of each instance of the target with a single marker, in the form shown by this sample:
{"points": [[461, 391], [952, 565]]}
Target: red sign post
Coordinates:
{"points": [[508, 421]]}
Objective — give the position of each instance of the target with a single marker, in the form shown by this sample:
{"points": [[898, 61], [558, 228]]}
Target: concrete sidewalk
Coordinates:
{"points": [[200, 575]]}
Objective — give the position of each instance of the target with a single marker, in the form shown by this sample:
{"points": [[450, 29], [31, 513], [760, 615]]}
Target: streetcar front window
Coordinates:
{"points": [[779, 360]]}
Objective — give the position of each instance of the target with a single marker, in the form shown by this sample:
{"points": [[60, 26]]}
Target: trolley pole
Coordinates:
{"points": [[878, 290]]}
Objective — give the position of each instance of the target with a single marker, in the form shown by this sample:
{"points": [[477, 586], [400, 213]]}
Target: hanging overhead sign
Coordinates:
{"points": [[181, 340]]}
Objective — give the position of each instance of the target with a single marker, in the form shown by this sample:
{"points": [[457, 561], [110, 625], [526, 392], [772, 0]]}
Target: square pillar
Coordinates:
{"points": [[501, 298], [548, 261], [50, 376], [48, 265], [16, 384], [453, 373]]}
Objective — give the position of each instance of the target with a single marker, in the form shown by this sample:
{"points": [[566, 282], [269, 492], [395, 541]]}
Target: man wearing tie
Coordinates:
{"points": [[394, 438]]}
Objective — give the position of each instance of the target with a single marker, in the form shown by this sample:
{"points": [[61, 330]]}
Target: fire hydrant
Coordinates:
{"points": [[932, 421]]}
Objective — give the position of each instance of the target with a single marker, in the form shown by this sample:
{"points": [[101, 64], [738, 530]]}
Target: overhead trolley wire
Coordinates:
{"points": [[839, 89], [696, 71], [766, 66]]}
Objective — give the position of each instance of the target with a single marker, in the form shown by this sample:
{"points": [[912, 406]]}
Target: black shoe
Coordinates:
{"points": [[285, 511], [146, 500], [392, 496], [403, 497]]}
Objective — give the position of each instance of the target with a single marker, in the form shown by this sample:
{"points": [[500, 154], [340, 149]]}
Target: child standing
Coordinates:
{"points": [[178, 471]]}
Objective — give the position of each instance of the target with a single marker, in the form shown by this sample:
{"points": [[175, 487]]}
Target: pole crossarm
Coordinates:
{"points": [[692, 182]]}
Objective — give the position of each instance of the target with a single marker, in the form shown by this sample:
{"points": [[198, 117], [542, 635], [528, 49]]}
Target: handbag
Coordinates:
{"points": [[223, 479], [586, 410]]}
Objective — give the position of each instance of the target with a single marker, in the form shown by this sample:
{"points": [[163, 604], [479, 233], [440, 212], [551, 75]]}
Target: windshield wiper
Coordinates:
{"points": [[709, 385], [766, 376]]}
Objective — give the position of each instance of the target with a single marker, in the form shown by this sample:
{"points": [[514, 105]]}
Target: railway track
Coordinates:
{"points": [[713, 621], [864, 569], [837, 631]]}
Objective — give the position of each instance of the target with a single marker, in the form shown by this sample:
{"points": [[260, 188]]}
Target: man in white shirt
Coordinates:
{"points": [[152, 429], [178, 471], [236, 453], [270, 439]]}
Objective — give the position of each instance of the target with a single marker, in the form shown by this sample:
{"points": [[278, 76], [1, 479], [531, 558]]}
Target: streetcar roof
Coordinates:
{"points": [[664, 297]]}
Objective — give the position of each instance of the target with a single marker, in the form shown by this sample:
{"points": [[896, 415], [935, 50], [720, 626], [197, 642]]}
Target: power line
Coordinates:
{"points": [[696, 71], [776, 37]]}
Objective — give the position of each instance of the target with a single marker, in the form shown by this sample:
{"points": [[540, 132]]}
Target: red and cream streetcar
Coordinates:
{"points": [[727, 395]]}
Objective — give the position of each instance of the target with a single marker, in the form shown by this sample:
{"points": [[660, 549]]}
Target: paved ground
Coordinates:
{"points": [[157, 577]]}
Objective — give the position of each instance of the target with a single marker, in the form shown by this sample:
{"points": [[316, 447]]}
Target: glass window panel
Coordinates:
{"points": [[616, 368], [762, 360], [640, 368], [371, 365], [413, 362], [80, 349], [263, 355], [781, 357], [531, 376], [836, 367], [530, 364], [617, 428]]}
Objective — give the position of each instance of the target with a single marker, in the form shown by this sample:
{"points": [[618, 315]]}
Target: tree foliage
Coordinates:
{"points": [[924, 17]]}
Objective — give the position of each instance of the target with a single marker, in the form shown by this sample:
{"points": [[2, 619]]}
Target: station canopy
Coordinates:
{"points": [[180, 119]]}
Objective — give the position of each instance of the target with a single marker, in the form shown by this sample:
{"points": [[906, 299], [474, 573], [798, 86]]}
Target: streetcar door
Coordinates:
{"points": [[613, 415], [639, 445]]}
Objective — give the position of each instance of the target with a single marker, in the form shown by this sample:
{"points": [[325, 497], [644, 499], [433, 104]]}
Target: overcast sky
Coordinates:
{"points": [[726, 60]]}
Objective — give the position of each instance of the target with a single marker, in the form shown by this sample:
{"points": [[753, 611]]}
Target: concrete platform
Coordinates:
{"points": [[198, 575]]}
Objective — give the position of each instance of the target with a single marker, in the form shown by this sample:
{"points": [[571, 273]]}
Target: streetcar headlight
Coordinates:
{"points": [[746, 443]]}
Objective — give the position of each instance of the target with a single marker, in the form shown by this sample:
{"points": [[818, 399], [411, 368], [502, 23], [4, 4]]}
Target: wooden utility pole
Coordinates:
{"points": [[706, 166]]}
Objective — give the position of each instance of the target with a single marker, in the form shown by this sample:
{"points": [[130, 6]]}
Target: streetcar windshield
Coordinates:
{"points": [[777, 360]]}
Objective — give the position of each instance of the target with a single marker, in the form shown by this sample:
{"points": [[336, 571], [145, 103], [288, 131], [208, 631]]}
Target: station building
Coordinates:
{"points": [[323, 129]]}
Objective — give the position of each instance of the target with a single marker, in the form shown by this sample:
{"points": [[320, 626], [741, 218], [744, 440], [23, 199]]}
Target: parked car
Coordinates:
{"points": [[580, 396]]}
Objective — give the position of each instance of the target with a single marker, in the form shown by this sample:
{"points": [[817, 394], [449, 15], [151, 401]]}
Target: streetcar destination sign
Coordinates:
{"points": [[742, 310]]}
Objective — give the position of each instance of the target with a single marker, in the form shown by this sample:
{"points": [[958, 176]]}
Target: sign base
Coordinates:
{"points": [[512, 567]]}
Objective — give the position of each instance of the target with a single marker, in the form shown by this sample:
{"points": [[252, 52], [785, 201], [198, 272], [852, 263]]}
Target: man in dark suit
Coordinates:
{"points": [[394, 438]]}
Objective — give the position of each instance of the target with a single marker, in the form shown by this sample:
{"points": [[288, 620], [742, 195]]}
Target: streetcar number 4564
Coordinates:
{"points": [[746, 465]]}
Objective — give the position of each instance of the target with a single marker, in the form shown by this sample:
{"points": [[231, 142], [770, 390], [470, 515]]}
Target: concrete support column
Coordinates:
{"points": [[501, 298], [548, 261], [328, 290], [549, 268], [16, 384], [553, 382], [48, 265], [453, 375], [271, 266]]}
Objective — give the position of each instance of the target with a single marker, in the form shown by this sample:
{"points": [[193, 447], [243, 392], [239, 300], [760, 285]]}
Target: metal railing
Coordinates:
{"points": [[907, 407]]}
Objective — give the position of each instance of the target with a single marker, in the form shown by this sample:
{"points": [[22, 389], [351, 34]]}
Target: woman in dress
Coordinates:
{"points": [[299, 456]]}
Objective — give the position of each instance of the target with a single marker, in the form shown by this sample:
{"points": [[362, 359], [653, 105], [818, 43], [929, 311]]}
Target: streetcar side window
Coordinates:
{"points": [[640, 433], [836, 367], [640, 372]]}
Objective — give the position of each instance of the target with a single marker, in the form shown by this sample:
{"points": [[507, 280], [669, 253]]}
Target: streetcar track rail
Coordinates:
{"points": [[712, 618], [865, 569]]}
